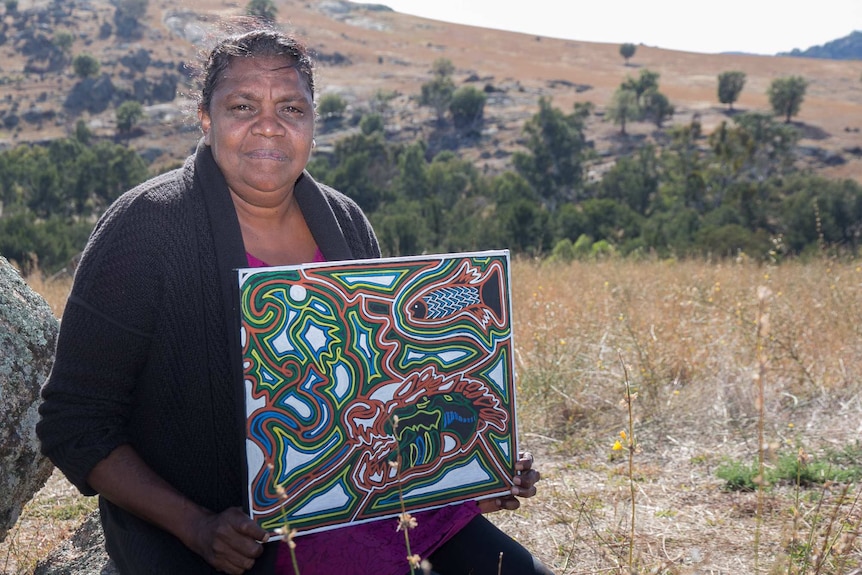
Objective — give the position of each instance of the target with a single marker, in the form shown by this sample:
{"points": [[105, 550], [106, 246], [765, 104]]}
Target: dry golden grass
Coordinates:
{"points": [[687, 330], [54, 291], [685, 334]]}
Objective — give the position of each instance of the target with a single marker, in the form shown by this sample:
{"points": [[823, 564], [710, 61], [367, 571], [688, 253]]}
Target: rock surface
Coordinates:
{"points": [[28, 334], [82, 554]]}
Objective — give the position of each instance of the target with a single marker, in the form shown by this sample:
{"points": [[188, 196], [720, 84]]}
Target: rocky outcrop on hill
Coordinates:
{"points": [[28, 334]]}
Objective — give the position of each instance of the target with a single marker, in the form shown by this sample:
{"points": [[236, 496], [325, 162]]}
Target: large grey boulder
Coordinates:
{"points": [[28, 334]]}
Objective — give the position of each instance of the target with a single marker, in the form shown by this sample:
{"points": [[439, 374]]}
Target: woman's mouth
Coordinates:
{"points": [[276, 155]]}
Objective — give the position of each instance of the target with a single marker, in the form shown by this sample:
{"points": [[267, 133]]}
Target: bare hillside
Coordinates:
{"points": [[362, 50]]}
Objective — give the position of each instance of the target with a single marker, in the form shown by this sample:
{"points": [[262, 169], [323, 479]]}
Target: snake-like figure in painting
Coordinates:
{"points": [[438, 417]]}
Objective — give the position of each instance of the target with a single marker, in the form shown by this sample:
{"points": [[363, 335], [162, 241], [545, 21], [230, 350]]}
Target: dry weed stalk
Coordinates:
{"points": [[829, 547], [288, 534], [631, 447], [763, 295], [837, 530], [406, 522]]}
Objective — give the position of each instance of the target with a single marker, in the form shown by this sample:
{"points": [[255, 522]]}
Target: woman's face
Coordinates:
{"points": [[260, 127]]}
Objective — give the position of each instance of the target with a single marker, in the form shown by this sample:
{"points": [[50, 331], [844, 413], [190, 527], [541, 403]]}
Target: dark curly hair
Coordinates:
{"points": [[260, 41]]}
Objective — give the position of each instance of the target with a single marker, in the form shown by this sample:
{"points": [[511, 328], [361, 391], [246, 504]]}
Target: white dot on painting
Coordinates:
{"points": [[297, 293]]}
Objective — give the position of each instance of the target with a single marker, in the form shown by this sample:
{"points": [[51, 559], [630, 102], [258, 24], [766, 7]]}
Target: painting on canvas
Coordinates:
{"points": [[376, 385]]}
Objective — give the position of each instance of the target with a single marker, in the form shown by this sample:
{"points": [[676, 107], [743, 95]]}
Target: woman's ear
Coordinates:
{"points": [[205, 123]]}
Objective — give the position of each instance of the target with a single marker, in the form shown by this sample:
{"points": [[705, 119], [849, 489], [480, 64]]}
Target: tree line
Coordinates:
{"points": [[733, 192], [736, 191], [52, 194]]}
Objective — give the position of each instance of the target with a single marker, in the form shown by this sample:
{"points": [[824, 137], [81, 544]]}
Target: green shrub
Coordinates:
{"points": [[331, 108], [795, 468], [563, 251], [737, 476], [371, 123], [86, 66], [602, 249], [128, 113], [583, 246], [467, 108]]}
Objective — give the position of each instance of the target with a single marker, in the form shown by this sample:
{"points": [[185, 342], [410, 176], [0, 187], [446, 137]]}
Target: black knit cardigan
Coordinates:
{"points": [[149, 354]]}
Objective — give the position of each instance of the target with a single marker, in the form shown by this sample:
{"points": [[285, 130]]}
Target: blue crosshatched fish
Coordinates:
{"points": [[466, 292]]}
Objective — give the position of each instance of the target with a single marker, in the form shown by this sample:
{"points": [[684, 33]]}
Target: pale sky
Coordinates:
{"points": [[755, 26]]}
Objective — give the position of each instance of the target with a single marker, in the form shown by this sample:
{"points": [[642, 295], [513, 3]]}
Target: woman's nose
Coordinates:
{"points": [[268, 124]]}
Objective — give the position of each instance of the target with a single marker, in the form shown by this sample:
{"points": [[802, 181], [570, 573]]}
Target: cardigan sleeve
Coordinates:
{"points": [[354, 224], [105, 335], [364, 234]]}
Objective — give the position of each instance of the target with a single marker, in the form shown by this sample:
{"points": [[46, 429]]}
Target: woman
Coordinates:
{"points": [[144, 404]]}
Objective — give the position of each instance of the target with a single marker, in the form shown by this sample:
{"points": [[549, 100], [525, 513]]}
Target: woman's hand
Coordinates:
{"points": [[525, 486], [229, 541]]}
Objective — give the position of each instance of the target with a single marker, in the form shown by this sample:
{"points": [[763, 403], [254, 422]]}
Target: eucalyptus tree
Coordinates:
{"points": [[730, 85], [786, 96], [627, 50]]}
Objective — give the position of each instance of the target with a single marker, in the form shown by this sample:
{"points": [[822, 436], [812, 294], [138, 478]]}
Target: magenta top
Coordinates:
{"points": [[253, 262], [373, 547]]}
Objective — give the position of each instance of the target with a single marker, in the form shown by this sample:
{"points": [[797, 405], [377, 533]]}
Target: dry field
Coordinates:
{"points": [[689, 337], [698, 343]]}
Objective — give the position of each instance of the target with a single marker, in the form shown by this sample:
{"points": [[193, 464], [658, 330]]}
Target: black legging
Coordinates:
{"points": [[475, 550]]}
